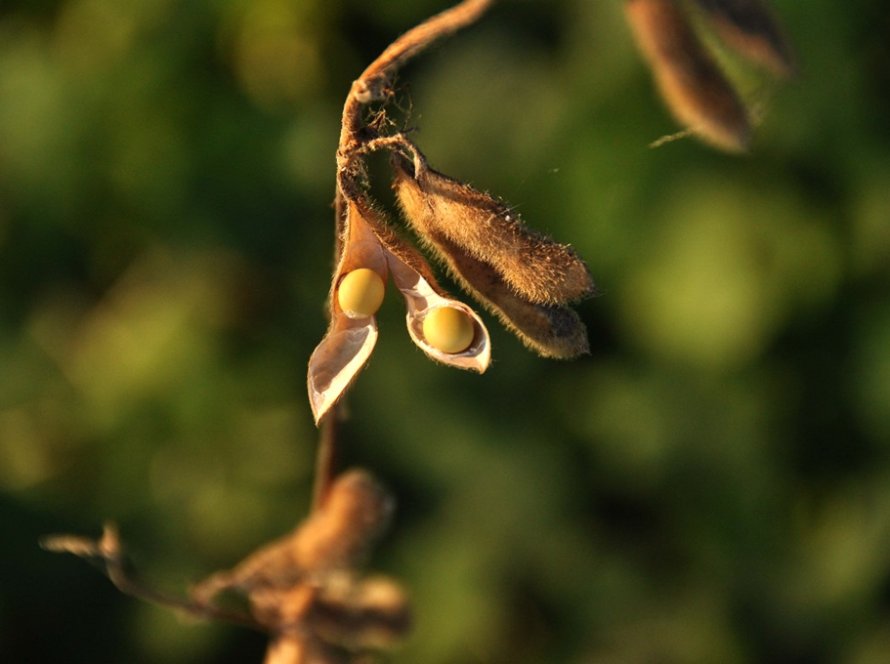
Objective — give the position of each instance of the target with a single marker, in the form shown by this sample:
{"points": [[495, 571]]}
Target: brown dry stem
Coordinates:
{"points": [[325, 461], [108, 552], [304, 589], [374, 81]]}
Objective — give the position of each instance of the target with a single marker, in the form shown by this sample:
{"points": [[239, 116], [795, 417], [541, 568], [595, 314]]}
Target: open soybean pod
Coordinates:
{"points": [[534, 266], [425, 300], [690, 81], [352, 333], [749, 27]]}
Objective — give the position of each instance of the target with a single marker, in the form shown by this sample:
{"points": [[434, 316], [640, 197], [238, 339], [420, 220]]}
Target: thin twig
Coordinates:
{"points": [[422, 36], [325, 459], [109, 553]]}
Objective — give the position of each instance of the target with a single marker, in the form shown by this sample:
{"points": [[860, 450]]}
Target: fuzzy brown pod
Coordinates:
{"points": [[749, 27], [348, 343], [690, 82], [370, 613], [306, 589], [423, 295], [340, 535], [327, 624], [551, 331], [335, 537], [535, 267]]}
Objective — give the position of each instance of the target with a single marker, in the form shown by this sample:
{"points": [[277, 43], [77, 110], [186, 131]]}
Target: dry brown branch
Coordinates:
{"points": [[424, 35], [325, 461], [303, 589], [108, 552], [374, 80]]}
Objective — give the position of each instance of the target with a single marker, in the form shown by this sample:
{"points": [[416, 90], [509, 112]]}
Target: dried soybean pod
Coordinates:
{"points": [[749, 27], [334, 538], [536, 267], [290, 645], [423, 295], [549, 330], [347, 345], [369, 613], [690, 81], [339, 535]]}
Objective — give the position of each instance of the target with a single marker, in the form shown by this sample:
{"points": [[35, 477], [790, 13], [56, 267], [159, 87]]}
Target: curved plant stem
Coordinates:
{"points": [[420, 37], [372, 84]]}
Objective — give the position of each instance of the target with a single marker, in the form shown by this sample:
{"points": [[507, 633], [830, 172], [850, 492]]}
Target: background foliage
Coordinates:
{"points": [[712, 484]]}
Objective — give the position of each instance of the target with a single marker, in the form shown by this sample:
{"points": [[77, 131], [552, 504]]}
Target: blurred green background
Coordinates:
{"points": [[712, 484]]}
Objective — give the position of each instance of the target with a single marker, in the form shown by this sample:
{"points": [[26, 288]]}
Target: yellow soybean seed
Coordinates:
{"points": [[360, 293], [448, 329]]}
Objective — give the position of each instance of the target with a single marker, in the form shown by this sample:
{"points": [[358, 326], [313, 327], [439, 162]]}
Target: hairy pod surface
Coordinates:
{"points": [[549, 330], [690, 82], [537, 268], [423, 296]]}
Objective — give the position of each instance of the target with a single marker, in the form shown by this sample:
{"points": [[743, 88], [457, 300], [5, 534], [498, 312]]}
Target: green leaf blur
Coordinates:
{"points": [[712, 484]]}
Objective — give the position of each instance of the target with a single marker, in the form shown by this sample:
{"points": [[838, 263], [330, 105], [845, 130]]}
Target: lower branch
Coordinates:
{"points": [[108, 552]]}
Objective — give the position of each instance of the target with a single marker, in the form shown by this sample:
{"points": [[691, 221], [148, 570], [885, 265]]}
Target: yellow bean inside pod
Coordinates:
{"points": [[448, 330], [360, 293]]}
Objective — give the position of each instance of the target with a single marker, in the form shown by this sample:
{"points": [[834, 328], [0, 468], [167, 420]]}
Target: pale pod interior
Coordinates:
{"points": [[472, 348]]}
